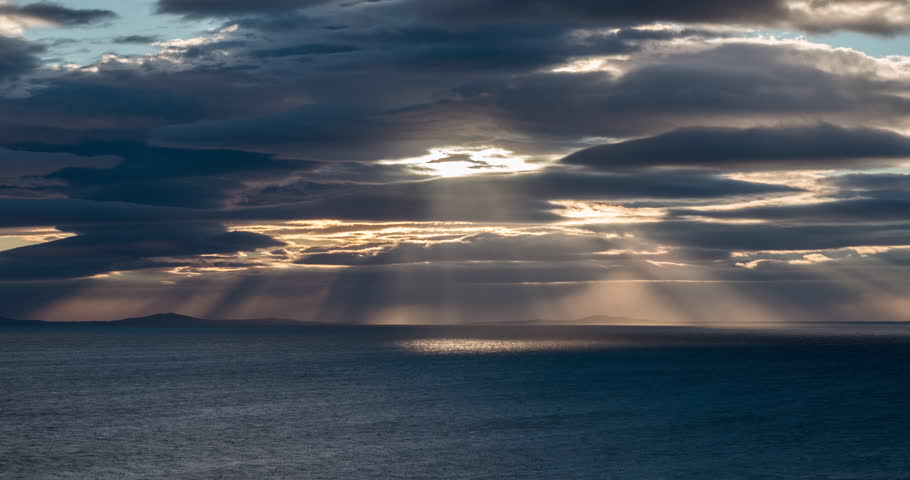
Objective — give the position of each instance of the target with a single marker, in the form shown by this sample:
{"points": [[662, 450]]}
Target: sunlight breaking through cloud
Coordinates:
{"points": [[459, 162]]}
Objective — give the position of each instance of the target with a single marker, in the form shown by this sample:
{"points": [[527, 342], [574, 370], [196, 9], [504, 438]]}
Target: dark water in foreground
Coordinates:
{"points": [[389, 403]]}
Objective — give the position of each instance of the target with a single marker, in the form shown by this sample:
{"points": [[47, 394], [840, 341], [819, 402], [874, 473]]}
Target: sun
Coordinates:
{"points": [[462, 161]]}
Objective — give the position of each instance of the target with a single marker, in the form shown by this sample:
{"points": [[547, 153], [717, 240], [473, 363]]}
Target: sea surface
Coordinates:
{"points": [[451, 403]]}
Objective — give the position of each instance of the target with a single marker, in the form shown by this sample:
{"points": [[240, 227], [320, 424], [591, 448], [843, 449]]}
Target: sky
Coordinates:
{"points": [[437, 161]]}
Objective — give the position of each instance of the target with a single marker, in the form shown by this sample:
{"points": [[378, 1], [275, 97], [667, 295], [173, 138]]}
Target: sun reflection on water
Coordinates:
{"points": [[456, 346]]}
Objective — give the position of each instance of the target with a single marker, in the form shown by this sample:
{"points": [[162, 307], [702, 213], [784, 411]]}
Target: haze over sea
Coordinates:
{"points": [[395, 402]]}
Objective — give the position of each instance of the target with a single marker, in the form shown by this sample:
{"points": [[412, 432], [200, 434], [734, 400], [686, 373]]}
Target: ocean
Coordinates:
{"points": [[451, 403]]}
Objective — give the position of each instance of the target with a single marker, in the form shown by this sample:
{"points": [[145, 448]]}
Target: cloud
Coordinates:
{"points": [[877, 184], [813, 147], [305, 49], [137, 39], [887, 17], [726, 237], [65, 211], [312, 136], [123, 102], [525, 197], [56, 14], [746, 85], [174, 190], [789, 84], [479, 247], [221, 8], [610, 12], [98, 250], [15, 163], [17, 57], [882, 17], [840, 211], [168, 177]]}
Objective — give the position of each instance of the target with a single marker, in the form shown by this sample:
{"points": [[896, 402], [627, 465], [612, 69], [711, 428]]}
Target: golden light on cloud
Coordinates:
{"points": [[810, 181], [607, 63], [606, 212], [754, 259], [821, 14], [11, 238]]}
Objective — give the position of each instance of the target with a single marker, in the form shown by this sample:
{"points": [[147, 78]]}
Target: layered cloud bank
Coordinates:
{"points": [[421, 161]]}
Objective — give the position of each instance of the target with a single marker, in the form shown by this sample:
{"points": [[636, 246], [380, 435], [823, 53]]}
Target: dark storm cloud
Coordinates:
{"points": [[873, 183], [137, 39], [409, 68], [703, 88], [820, 147], [735, 85], [552, 184], [284, 118], [221, 8], [136, 173], [316, 132], [688, 87], [305, 49], [167, 177], [521, 197], [817, 16], [591, 11], [14, 163], [841, 211], [150, 193], [193, 192], [584, 185], [17, 57], [495, 50], [103, 249], [125, 101], [887, 18], [770, 236], [16, 212], [57, 14]]}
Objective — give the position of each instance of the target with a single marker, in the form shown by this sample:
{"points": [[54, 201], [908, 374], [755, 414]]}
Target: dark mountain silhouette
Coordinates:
{"points": [[177, 320], [13, 321], [163, 320]]}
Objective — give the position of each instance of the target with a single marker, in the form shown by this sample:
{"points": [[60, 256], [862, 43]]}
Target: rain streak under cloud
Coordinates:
{"points": [[448, 161]]}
